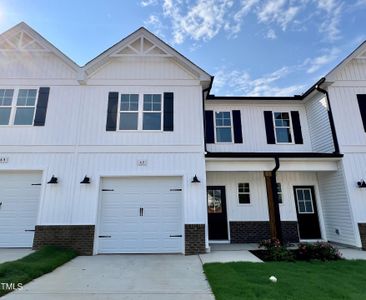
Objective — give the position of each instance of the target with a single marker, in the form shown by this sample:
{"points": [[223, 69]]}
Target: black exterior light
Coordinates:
{"points": [[86, 180], [195, 179], [53, 180], [361, 184]]}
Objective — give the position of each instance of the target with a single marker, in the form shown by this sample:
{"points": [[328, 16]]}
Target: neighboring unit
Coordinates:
{"points": [[132, 154]]}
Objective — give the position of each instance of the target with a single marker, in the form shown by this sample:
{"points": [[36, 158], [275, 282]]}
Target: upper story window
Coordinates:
{"points": [[19, 111], [6, 98], [129, 111], [223, 126], [25, 107], [243, 193], [152, 112], [282, 125], [140, 113]]}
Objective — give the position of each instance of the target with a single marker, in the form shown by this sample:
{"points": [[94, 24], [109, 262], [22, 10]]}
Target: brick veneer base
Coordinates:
{"points": [[362, 229], [255, 231], [77, 237], [194, 239]]}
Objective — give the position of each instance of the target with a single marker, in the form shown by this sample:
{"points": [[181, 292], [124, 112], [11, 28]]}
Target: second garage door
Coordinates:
{"points": [[141, 215]]}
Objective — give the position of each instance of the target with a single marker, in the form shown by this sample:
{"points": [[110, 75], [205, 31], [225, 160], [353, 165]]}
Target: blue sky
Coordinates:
{"points": [[252, 47]]}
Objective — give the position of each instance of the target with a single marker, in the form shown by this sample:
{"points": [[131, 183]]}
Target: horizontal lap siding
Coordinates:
{"points": [[253, 127], [336, 207], [319, 127]]}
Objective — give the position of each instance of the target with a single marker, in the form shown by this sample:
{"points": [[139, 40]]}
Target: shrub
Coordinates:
{"points": [[276, 251], [320, 251]]}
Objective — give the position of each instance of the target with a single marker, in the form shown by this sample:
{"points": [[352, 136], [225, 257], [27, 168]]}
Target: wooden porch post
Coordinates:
{"points": [[273, 207]]}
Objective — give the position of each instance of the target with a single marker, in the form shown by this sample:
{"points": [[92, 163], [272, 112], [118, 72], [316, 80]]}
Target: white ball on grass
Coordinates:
{"points": [[273, 279]]}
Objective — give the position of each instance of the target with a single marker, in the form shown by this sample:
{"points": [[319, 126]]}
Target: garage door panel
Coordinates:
{"points": [[19, 209], [147, 233]]}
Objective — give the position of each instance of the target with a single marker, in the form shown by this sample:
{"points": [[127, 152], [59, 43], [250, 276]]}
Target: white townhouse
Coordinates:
{"points": [[132, 154]]}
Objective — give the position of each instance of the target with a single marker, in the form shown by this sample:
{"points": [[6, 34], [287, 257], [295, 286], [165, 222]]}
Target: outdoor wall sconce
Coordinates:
{"points": [[86, 180], [195, 179], [361, 184], [53, 180]]}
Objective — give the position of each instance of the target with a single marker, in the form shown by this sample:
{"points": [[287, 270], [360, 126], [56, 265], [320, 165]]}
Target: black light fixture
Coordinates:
{"points": [[86, 180], [53, 180], [361, 184], [195, 179]]}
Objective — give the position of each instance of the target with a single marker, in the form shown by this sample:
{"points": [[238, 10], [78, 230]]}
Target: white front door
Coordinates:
{"points": [[141, 215], [19, 203]]}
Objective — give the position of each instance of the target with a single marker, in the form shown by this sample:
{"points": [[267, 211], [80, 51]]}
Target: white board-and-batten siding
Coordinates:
{"points": [[253, 126]]}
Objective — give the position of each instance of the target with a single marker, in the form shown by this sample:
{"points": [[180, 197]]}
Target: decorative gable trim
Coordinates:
{"points": [[22, 38], [143, 43]]}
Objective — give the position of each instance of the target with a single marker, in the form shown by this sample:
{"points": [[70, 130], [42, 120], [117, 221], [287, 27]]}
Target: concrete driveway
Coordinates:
{"points": [[112, 277]]}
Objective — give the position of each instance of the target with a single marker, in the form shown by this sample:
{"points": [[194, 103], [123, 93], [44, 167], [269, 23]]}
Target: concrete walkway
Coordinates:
{"points": [[113, 277], [13, 254], [223, 253], [350, 253]]}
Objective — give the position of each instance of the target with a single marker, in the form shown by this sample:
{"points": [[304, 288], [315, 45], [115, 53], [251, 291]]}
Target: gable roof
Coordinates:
{"points": [[144, 43], [359, 52], [22, 37]]}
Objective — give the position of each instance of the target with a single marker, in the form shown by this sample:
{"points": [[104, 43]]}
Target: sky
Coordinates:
{"points": [[252, 47]]}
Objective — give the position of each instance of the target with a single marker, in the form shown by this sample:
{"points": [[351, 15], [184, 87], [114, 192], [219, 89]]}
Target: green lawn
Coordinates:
{"points": [[299, 281], [32, 266]]}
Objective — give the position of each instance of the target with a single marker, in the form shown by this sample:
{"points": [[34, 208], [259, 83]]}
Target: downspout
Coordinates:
{"points": [[275, 199], [203, 111], [330, 116]]}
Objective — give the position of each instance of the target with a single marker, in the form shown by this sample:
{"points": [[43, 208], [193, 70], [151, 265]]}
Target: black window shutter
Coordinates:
{"points": [[168, 111], [295, 116], [42, 103], [268, 121], [209, 127], [238, 135], [362, 104], [112, 111]]}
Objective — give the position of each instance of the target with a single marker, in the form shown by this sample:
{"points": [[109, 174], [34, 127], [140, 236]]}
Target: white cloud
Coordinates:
{"points": [[314, 64], [144, 3], [278, 11], [201, 21], [271, 34], [238, 82], [331, 19]]}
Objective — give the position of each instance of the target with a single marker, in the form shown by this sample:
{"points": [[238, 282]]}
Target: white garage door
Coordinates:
{"points": [[141, 215], [19, 203]]}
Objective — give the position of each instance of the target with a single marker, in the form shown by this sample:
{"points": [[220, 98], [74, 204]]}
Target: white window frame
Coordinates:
{"points": [[128, 111], [243, 193], [8, 106], [140, 112], [153, 111], [231, 126], [14, 105], [312, 202], [280, 193], [290, 127]]}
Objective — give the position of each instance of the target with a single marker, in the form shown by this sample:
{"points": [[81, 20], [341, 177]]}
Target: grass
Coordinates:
{"points": [[32, 266], [301, 280]]}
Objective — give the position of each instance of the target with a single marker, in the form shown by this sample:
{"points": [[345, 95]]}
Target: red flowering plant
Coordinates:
{"points": [[275, 250], [319, 250]]}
